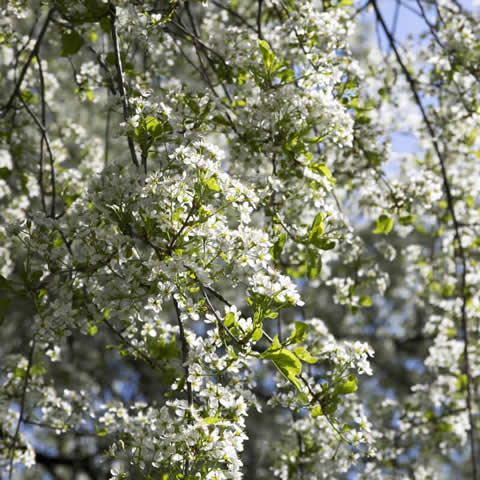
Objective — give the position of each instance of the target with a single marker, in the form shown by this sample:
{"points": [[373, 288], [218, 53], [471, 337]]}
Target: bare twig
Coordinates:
{"points": [[43, 131], [42, 140], [235, 14], [219, 320], [259, 19], [22, 409], [121, 84], [103, 65], [33, 53], [185, 350]]}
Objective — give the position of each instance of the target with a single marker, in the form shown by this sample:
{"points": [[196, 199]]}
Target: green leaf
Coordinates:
{"points": [[105, 24], [330, 407], [462, 382], [276, 345], [4, 305], [5, 173], [151, 123], [57, 242], [383, 225], [407, 219], [471, 138], [229, 319], [304, 355], [267, 55], [314, 264], [100, 432], [317, 229], [4, 283], [257, 334], [366, 301], [317, 411], [303, 398], [322, 168], [92, 329], [35, 277], [277, 248], [71, 43], [162, 350], [299, 334], [37, 369], [212, 420], [287, 363], [348, 386], [212, 184]]}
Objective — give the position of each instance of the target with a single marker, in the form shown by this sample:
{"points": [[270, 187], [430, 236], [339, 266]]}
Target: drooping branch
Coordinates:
{"points": [[22, 409], [33, 53], [45, 137], [185, 350], [121, 84], [259, 19], [42, 140]]}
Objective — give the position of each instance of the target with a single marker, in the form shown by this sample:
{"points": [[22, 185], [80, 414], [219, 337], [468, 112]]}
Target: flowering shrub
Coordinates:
{"points": [[215, 261]]}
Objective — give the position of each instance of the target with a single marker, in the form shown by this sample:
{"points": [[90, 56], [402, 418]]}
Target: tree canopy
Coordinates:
{"points": [[239, 239]]}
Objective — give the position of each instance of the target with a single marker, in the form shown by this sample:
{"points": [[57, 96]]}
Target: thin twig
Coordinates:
{"points": [[43, 131], [185, 350], [172, 243], [22, 409], [103, 65], [234, 14], [259, 19], [42, 140], [33, 53], [107, 138], [121, 85], [394, 22], [219, 320]]}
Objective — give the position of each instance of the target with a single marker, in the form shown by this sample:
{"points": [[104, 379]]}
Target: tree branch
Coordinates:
{"points": [[22, 409], [43, 131], [121, 85], [33, 53], [185, 350]]}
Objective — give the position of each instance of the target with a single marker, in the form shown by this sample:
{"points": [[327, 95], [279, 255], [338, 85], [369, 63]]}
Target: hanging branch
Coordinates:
{"points": [[22, 410], [121, 85], [234, 14], [42, 140], [219, 320], [33, 53], [43, 131], [259, 19], [185, 350], [459, 249]]}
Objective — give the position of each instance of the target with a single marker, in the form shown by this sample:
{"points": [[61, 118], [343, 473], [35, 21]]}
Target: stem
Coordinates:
{"points": [[259, 19], [33, 53], [185, 350], [121, 84], [43, 131], [22, 410], [42, 140]]}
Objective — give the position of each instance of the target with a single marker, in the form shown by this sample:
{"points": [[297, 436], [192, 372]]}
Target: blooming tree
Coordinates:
{"points": [[215, 261]]}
